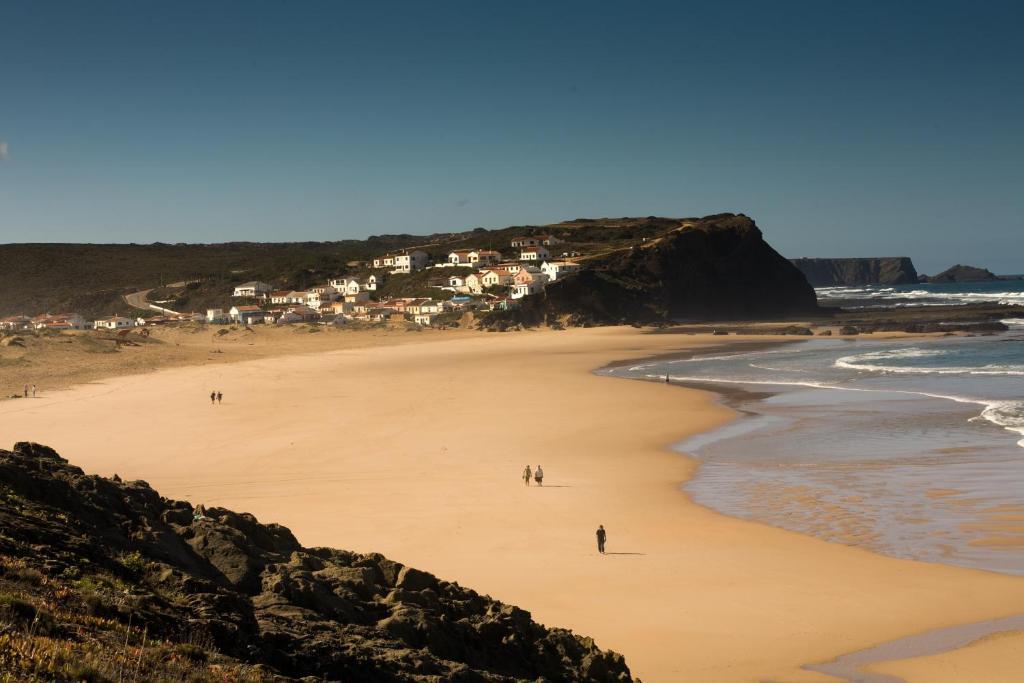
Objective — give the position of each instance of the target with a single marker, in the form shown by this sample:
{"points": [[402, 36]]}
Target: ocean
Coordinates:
{"points": [[912, 448]]}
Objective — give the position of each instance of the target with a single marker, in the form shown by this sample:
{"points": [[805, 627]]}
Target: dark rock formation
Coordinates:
{"points": [[712, 268], [249, 593], [852, 272], [959, 273]]}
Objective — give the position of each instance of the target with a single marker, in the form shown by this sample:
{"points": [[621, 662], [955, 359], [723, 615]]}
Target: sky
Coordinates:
{"points": [[843, 128]]}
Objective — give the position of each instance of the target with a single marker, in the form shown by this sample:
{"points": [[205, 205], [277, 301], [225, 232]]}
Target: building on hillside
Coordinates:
{"points": [[385, 261], [457, 283], [460, 257], [497, 277], [253, 290], [511, 267], [321, 294], [529, 274], [473, 283], [410, 261], [535, 254], [114, 322], [521, 289], [372, 282], [550, 240], [61, 321], [484, 257], [16, 322], [280, 296], [296, 298], [557, 269], [217, 316], [358, 296], [525, 241], [247, 315]]}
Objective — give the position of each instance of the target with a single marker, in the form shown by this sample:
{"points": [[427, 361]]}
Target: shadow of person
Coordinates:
{"points": [[611, 553]]}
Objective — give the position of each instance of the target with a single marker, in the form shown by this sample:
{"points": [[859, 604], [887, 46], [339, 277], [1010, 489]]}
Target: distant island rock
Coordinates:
{"points": [[99, 566], [713, 268], [855, 272], [959, 273]]}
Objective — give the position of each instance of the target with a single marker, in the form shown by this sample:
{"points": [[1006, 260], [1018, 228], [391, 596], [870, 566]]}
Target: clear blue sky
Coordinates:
{"points": [[843, 128]]}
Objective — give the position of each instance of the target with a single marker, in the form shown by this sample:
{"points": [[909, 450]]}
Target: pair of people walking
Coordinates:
{"points": [[33, 390], [216, 397], [537, 476]]}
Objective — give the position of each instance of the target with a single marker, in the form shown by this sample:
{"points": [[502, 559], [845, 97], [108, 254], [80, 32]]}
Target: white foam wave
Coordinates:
{"points": [[865, 362], [920, 296]]}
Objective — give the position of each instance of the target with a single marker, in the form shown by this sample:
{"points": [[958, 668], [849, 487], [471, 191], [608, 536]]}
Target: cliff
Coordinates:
{"points": [[853, 272], [713, 268], [959, 273], [105, 580]]}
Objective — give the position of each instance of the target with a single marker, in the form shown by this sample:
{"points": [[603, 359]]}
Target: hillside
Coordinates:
{"points": [[90, 278], [104, 580], [853, 272], [713, 268]]}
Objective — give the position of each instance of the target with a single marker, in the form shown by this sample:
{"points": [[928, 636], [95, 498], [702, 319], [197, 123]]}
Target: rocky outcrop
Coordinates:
{"points": [[248, 593], [854, 272], [713, 268], [959, 273]]}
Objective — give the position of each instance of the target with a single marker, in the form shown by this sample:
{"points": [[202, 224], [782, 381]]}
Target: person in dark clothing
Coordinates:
{"points": [[219, 396], [601, 536], [213, 397]]}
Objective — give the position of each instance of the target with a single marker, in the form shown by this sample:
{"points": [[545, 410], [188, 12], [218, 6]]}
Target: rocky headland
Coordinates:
{"points": [[102, 579], [854, 272], [712, 268], [959, 273]]}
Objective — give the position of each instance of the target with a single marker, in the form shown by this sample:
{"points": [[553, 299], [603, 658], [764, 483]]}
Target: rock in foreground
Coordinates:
{"points": [[105, 580]]}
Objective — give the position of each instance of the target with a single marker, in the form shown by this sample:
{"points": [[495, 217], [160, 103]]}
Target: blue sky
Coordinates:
{"points": [[844, 129]]}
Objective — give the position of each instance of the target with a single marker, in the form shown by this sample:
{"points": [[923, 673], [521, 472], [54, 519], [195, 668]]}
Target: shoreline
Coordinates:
{"points": [[418, 482]]}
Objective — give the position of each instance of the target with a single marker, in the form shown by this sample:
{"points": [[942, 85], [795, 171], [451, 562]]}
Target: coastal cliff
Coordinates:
{"points": [[712, 268], [102, 579], [853, 272], [959, 273]]}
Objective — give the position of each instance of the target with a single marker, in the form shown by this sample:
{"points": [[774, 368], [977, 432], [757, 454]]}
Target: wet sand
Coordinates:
{"points": [[415, 450]]}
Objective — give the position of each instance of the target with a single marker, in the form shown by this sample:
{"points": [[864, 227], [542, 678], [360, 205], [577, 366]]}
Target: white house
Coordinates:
{"points": [[253, 289], [521, 242], [556, 269], [298, 298], [385, 261], [280, 296], [246, 315], [535, 254], [496, 276], [371, 282], [217, 316], [473, 283], [321, 294], [16, 322], [484, 257], [410, 261], [115, 322], [61, 321], [460, 257], [519, 290]]}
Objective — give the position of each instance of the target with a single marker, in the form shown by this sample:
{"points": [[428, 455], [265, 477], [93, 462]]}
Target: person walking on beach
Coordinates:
{"points": [[527, 475], [601, 537], [26, 391], [219, 397], [538, 476], [33, 391], [213, 397]]}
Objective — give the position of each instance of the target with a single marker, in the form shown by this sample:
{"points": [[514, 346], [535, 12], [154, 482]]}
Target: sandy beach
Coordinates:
{"points": [[415, 449]]}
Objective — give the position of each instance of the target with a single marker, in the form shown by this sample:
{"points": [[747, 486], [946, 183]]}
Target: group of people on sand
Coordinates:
{"points": [[33, 390], [215, 397], [537, 476]]}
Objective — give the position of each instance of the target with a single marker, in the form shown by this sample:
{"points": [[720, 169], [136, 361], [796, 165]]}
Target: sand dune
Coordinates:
{"points": [[415, 450]]}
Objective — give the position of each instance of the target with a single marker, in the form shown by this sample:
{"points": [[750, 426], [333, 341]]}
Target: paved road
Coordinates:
{"points": [[138, 300]]}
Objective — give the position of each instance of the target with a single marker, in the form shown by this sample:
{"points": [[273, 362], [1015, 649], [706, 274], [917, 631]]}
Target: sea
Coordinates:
{"points": [[913, 448]]}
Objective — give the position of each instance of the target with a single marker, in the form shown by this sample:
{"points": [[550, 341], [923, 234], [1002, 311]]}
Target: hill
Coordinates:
{"points": [[105, 580], [91, 278], [959, 273], [712, 268]]}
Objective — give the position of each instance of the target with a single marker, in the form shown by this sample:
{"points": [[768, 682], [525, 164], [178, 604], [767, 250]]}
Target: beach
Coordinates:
{"points": [[415, 449]]}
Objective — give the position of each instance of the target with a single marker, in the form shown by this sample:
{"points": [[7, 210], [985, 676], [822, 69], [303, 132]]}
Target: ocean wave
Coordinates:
{"points": [[918, 296], [865, 362], [1006, 414]]}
